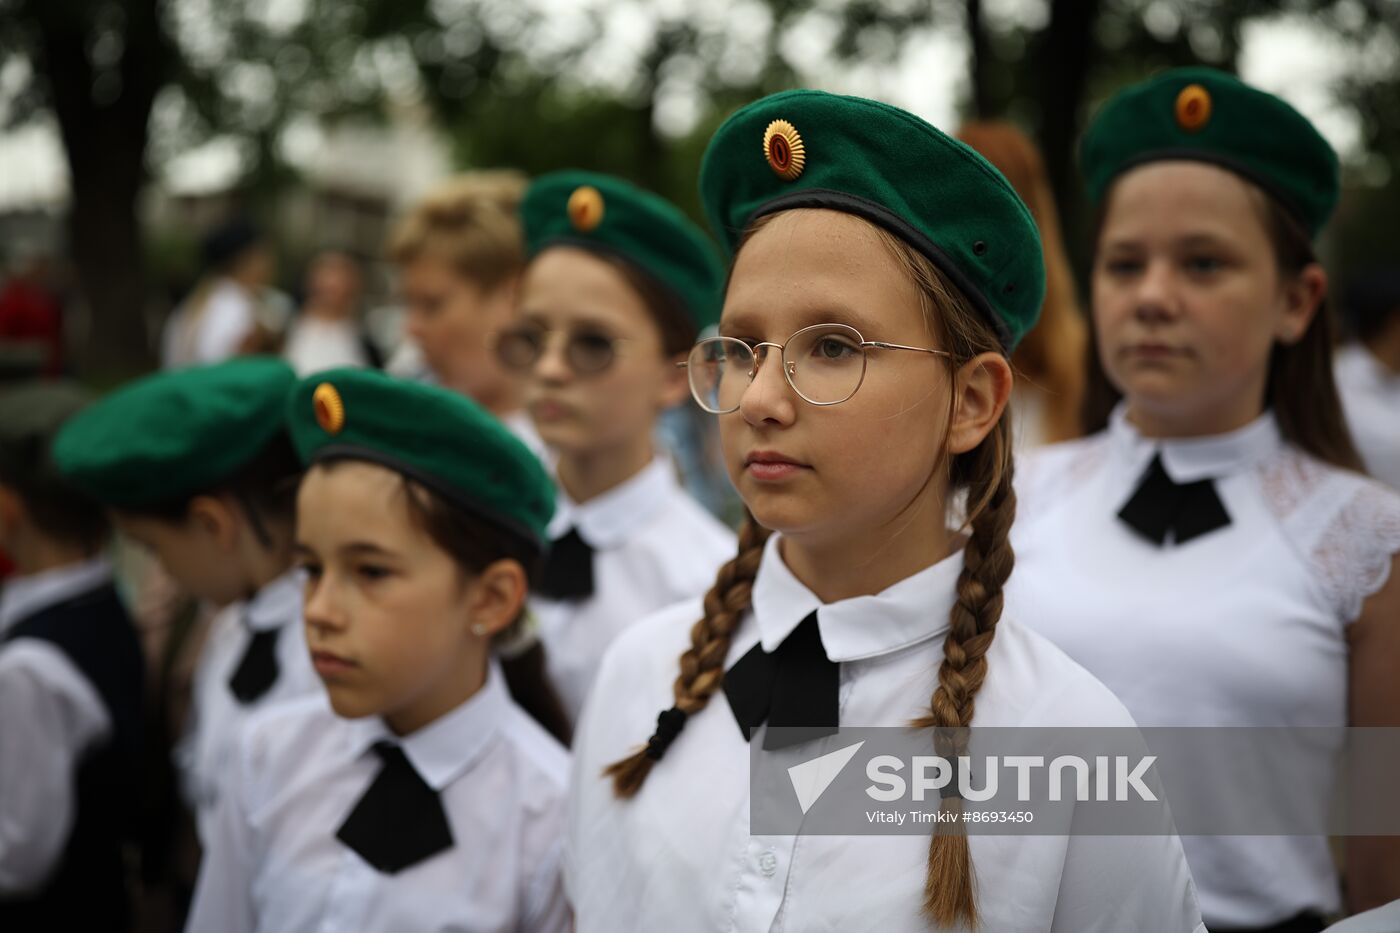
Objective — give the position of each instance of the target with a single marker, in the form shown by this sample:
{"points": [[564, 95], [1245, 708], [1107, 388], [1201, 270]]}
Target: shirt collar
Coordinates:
{"points": [[1187, 459], [608, 520], [448, 746], [23, 596], [913, 610], [276, 604]]}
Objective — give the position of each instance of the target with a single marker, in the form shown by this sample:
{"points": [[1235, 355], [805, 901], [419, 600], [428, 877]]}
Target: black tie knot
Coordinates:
{"points": [[399, 821], [258, 668], [568, 568], [796, 689], [1160, 506], [668, 725]]}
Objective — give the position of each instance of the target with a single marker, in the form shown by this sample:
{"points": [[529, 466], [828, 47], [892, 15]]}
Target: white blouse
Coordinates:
{"points": [[654, 546], [1371, 400], [1244, 626], [216, 716], [679, 856], [274, 864], [51, 717]]}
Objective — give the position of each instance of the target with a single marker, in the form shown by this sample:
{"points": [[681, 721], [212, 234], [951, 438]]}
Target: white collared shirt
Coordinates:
{"points": [[50, 717], [679, 856], [216, 715], [274, 864], [654, 546], [1371, 401], [1244, 626]]}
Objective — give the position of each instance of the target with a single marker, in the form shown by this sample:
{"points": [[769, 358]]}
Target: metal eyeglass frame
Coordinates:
{"points": [[789, 366], [617, 348]]}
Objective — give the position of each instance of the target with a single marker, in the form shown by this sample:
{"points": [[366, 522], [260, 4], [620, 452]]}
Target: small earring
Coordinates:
{"points": [[478, 628]]}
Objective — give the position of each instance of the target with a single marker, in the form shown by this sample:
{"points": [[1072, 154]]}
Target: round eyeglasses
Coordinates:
{"points": [[588, 352], [825, 365]]}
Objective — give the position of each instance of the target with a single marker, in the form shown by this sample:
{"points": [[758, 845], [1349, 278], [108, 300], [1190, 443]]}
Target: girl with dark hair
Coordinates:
{"points": [[883, 273], [618, 284], [421, 797], [1214, 555], [194, 465]]}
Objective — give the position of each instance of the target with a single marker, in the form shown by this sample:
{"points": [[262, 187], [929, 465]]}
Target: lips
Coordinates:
{"points": [[328, 664], [768, 465]]}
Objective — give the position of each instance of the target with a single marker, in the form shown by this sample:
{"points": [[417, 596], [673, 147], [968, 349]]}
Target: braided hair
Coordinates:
{"points": [[985, 475]]}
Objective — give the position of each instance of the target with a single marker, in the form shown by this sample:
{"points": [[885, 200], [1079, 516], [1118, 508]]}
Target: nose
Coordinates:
{"points": [[1156, 300], [413, 324], [768, 399], [552, 366], [321, 609]]}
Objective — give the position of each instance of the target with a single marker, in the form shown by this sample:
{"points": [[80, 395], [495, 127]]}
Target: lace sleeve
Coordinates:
{"points": [[1346, 527]]}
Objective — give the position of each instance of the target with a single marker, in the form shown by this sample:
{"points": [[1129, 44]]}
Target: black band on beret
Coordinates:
{"points": [[1270, 187]]}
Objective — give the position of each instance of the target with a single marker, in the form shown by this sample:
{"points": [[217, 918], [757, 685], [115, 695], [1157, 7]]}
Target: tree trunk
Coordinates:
{"points": [[980, 61], [1064, 58], [105, 144]]}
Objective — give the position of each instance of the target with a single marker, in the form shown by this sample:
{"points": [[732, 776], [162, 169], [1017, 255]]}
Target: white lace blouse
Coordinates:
{"points": [[1244, 626]]}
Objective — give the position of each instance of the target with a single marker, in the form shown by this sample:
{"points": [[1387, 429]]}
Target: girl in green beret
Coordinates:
{"points": [[1213, 553], [619, 283], [195, 465], [882, 273], [414, 794]]}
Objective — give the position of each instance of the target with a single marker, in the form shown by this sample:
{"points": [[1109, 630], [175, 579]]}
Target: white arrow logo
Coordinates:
{"points": [[811, 778]]}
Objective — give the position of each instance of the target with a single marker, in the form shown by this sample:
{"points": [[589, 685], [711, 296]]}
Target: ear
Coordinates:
{"points": [[1302, 296], [217, 518], [982, 387], [675, 386], [496, 597]]}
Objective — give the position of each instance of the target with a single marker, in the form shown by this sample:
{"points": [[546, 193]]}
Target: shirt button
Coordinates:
{"points": [[768, 864]]}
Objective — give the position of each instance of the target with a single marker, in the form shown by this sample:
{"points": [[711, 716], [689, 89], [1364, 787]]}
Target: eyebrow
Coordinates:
{"points": [[352, 549], [747, 323], [582, 319]]}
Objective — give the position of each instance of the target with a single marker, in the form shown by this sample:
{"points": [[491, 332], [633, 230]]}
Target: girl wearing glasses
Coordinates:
{"points": [[618, 284], [882, 274], [1225, 480]]}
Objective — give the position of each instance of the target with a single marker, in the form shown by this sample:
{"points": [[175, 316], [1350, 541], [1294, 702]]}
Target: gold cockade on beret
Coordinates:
{"points": [[1193, 108], [784, 149], [585, 208], [329, 408]]}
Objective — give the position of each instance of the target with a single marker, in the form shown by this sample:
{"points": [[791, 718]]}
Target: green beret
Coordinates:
{"points": [[439, 438], [607, 214], [1205, 115], [31, 415], [810, 149], [175, 434]]}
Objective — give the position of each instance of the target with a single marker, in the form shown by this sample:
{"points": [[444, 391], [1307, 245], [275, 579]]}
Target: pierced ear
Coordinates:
{"points": [[497, 597], [216, 518], [675, 388], [982, 387], [1302, 296]]}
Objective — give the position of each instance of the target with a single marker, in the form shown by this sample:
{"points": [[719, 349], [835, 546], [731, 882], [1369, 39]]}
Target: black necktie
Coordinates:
{"points": [[796, 689], [568, 568], [399, 821], [257, 671], [1160, 505]]}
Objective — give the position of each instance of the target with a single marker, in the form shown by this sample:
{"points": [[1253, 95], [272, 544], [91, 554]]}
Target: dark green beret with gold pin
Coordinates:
{"points": [[1206, 115], [174, 434], [811, 149], [607, 214], [439, 438]]}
